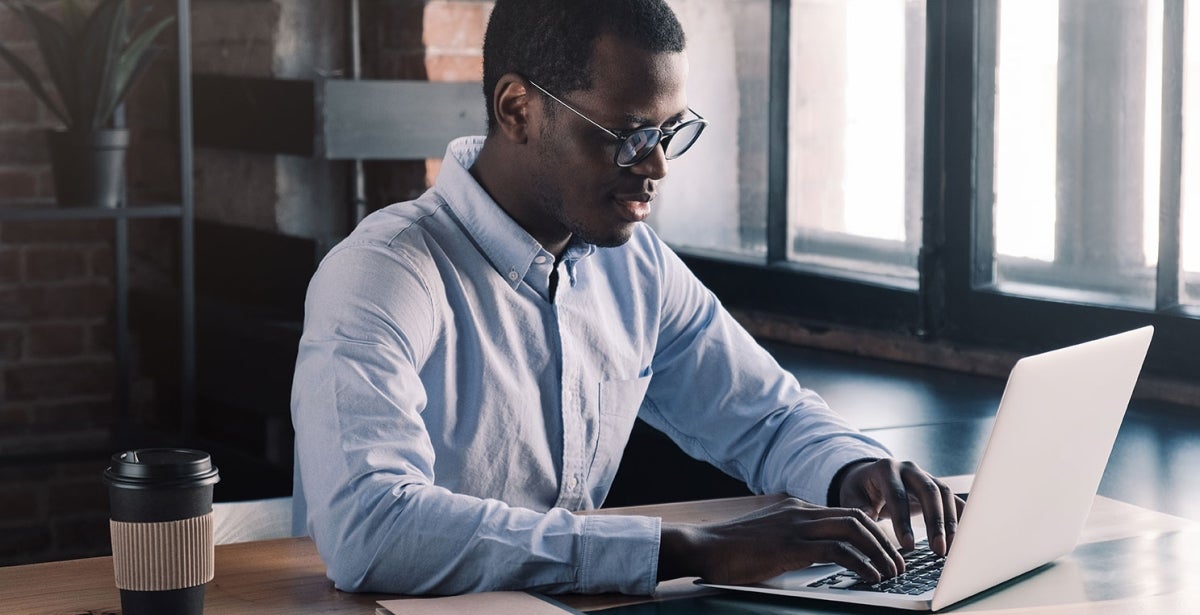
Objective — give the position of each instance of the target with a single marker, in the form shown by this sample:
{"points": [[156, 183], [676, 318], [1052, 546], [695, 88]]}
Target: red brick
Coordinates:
{"points": [[388, 26], [45, 181], [100, 262], [56, 231], [18, 106], [406, 65], [11, 340], [234, 37], [22, 146], [59, 381], [10, 266], [55, 264], [55, 341], [454, 68], [19, 183], [40, 303], [433, 166], [455, 25], [101, 338]]}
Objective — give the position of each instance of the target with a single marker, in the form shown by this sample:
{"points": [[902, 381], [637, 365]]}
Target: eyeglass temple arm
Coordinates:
{"points": [[572, 109]]}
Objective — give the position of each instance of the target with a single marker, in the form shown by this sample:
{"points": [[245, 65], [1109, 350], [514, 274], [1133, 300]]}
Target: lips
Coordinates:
{"points": [[634, 207]]}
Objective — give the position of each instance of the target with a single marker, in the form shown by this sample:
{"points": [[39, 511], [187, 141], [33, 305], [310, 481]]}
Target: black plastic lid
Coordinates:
{"points": [[161, 467]]}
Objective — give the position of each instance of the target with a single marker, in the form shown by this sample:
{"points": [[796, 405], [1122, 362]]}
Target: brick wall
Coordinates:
{"points": [[56, 294], [56, 366]]}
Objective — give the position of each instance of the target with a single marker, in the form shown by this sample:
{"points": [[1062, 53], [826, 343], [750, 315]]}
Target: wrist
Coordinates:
{"points": [[833, 498], [676, 551]]}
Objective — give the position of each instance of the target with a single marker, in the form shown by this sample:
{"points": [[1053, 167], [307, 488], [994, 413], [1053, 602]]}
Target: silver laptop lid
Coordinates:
{"points": [[1057, 422]]}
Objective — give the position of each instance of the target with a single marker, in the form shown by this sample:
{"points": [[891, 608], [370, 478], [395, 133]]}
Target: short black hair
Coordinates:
{"points": [[551, 41]]}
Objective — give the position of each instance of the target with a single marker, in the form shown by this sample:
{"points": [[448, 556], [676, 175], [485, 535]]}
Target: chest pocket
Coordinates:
{"points": [[619, 401]]}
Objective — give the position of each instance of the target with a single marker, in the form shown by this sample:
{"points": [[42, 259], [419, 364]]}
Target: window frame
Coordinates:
{"points": [[956, 297]]}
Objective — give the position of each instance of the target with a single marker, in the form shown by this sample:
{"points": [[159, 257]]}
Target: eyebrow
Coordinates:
{"points": [[641, 120]]}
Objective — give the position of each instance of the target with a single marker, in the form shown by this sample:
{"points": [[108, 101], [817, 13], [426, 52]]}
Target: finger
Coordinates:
{"points": [[950, 511], [929, 494], [791, 504], [881, 537], [860, 532], [896, 496], [846, 555]]}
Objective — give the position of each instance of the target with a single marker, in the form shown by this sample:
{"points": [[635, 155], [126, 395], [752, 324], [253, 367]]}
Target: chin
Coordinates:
{"points": [[614, 238]]}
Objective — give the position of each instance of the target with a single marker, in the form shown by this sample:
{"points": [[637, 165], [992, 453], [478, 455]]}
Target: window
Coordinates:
{"points": [[716, 199], [994, 172], [855, 132], [1078, 100], [1190, 172]]}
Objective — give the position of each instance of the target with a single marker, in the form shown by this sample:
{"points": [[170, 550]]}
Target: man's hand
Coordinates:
{"points": [[889, 488], [785, 536]]}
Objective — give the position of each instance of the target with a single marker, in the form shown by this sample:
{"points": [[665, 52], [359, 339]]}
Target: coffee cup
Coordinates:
{"points": [[161, 522]]}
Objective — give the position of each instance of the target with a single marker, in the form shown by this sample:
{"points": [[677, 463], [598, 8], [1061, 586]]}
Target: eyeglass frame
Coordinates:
{"points": [[664, 136]]}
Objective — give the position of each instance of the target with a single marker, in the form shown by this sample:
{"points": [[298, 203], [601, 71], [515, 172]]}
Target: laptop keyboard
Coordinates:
{"points": [[922, 566]]}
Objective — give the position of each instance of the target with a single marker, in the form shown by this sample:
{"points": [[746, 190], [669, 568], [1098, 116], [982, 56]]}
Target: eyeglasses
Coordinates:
{"points": [[635, 145]]}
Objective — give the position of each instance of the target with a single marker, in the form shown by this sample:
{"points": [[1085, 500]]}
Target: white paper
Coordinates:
{"points": [[493, 603]]}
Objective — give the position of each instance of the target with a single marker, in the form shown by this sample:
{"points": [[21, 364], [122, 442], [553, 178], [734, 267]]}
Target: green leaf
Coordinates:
{"points": [[97, 58], [133, 62], [92, 59], [58, 54], [34, 83], [73, 18]]}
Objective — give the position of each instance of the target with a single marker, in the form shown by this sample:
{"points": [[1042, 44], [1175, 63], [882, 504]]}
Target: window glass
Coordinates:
{"points": [[715, 195], [1077, 141], [857, 82], [1190, 189]]}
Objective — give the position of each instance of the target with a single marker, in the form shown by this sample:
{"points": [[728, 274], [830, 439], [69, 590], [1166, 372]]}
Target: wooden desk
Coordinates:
{"points": [[287, 577]]}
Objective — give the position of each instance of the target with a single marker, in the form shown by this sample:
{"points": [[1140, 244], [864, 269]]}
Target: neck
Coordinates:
{"points": [[509, 186]]}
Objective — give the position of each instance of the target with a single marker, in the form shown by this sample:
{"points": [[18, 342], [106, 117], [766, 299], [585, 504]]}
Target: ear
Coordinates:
{"points": [[512, 100]]}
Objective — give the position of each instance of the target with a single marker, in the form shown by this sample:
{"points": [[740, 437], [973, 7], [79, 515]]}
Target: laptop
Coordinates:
{"points": [[1033, 489]]}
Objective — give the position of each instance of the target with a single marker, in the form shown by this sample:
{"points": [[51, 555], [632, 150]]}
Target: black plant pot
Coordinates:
{"points": [[89, 166]]}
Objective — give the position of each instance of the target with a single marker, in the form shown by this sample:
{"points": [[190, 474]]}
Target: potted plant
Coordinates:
{"points": [[93, 60]]}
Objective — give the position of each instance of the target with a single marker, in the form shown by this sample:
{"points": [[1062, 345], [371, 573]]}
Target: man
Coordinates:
{"points": [[473, 361]]}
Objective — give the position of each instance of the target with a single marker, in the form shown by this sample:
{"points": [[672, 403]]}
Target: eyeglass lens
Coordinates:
{"points": [[640, 143]]}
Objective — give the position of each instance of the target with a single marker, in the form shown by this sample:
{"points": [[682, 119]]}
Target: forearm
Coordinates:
{"points": [[423, 539]]}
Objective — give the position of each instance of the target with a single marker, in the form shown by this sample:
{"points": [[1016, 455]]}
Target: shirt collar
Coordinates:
{"points": [[509, 248]]}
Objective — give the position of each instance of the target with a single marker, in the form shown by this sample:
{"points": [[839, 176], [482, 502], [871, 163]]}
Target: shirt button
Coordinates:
{"points": [[573, 483], [512, 275], [540, 259]]}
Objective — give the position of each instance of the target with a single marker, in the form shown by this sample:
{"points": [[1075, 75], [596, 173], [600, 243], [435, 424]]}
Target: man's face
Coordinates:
{"points": [[578, 188]]}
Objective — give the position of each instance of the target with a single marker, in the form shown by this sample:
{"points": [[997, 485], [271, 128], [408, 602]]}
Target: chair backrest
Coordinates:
{"points": [[252, 520]]}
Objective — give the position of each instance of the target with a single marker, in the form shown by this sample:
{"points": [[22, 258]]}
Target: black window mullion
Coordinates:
{"points": [[1170, 263], [951, 157], [983, 227], [931, 258]]}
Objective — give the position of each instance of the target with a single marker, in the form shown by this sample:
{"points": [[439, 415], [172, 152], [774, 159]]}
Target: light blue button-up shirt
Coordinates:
{"points": [[449, 415]]}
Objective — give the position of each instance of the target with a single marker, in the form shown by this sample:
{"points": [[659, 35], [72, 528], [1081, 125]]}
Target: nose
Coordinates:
{"points": [[653, 166]]}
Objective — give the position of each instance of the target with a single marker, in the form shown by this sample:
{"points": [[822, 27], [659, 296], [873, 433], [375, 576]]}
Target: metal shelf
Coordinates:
{"points": [[47, 210]]}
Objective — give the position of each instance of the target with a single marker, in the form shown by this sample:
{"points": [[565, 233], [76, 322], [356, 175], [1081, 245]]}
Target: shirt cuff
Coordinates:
{"points": [[836, 458], [620, 554]]}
